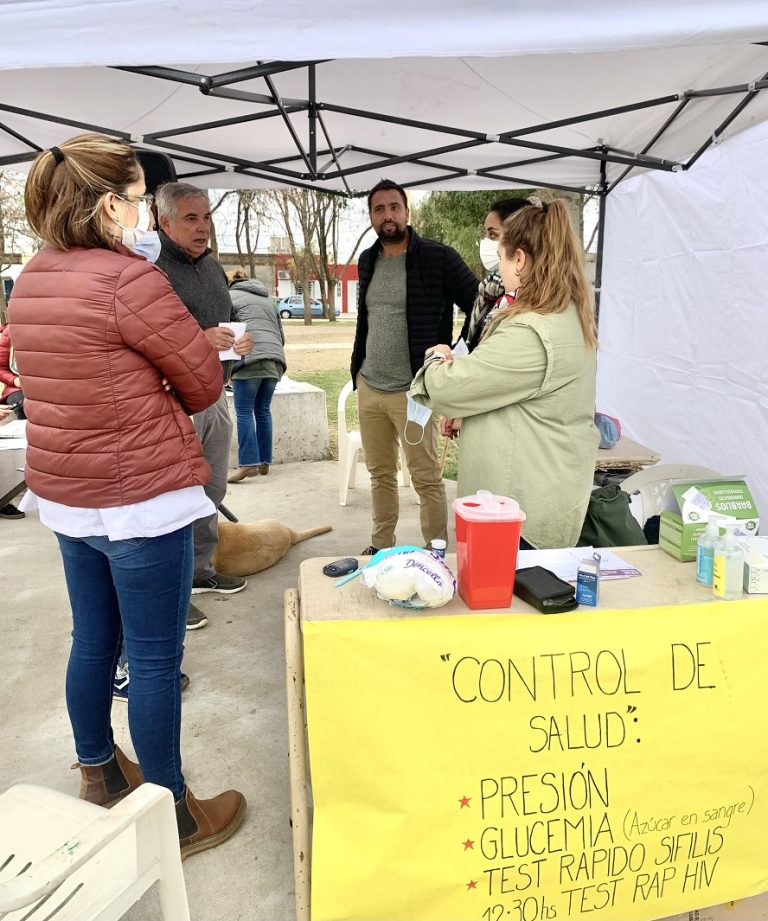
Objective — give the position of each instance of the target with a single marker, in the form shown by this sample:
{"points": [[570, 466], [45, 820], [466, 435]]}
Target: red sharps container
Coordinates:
{"points": [[487, 539]]}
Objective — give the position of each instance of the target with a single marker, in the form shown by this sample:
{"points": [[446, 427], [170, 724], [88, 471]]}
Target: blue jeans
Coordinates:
{"points": [[253, 397], [137, 589]]}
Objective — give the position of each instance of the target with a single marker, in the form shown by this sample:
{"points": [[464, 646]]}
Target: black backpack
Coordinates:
{"points": [[609, 522]]}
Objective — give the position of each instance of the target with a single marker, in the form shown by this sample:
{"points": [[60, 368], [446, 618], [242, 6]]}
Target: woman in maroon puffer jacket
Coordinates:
{"points": [[111, 364]]}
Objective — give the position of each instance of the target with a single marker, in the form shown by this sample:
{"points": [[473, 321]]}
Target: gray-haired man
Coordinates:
{"points": [[184, 214]]}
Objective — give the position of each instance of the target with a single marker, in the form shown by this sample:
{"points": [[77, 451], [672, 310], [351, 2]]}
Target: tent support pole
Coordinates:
{"points": [[600, 241], [312, 114], [407, 158], [727, 121], [20, 137], [291, 130], [42, 116]]}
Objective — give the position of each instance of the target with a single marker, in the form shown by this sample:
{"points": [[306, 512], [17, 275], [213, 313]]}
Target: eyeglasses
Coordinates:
{"points": [[135, 199]]}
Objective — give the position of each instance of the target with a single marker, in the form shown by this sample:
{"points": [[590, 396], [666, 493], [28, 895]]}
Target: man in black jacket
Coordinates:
{"points": [[406, 293]]}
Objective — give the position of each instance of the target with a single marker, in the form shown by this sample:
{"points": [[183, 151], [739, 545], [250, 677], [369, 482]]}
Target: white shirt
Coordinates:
{"points": [[150, 518]]}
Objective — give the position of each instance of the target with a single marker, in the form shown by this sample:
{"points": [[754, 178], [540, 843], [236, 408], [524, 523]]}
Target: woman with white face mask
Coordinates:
{"points": [[112, 365], [526, 394], [491, 288]]}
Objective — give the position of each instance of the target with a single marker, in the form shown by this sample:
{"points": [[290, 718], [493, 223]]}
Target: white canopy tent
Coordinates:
{"points": [[456, 95], [446, 94]]}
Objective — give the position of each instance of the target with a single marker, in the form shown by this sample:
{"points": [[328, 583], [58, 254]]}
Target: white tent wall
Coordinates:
{"points": [[683, 318]]}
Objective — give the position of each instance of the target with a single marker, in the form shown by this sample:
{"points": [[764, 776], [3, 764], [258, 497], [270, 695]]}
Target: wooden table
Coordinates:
{"points": [[625, 454], [664, 580]]}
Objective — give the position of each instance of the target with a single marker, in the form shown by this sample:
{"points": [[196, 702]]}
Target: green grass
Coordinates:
{"points": [[332, 382]]}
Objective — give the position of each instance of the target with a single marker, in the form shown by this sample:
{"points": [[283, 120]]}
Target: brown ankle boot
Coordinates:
{"points": [[241, 473], [204, 823], [106, 784]]}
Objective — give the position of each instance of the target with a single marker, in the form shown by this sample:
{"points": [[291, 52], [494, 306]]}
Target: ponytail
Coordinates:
{"points": [[66, 187], [554, 274]]}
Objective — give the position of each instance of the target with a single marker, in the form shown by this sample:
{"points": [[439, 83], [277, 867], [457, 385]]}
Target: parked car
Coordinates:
{"points": [[293, 307]]}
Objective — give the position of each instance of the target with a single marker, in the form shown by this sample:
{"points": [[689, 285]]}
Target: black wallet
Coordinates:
{"points": [[544, 590]]}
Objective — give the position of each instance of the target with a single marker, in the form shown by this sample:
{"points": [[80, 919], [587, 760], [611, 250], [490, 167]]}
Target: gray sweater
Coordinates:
{"points": [[200, 283], [253, 306]]}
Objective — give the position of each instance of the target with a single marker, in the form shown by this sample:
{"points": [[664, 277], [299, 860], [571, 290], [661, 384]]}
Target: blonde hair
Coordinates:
{"points": [[236, 275], [66, 186], [553, 275]]}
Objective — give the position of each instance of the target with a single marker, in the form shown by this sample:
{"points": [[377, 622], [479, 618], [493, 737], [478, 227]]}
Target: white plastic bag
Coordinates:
{"points": [[411, 578]]}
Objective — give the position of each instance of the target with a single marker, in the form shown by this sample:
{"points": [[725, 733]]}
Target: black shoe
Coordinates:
{"points": [[196, 620], [122, 680], [225, 585], [369, 551], [10, 511]]}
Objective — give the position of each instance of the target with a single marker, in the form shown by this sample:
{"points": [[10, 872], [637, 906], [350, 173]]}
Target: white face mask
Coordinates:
{"points": [[417, 414], [131, 235], [489, 254], [147, 245]]}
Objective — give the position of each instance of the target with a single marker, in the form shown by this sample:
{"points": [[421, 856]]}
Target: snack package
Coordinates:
{"points": [[410, 577]]}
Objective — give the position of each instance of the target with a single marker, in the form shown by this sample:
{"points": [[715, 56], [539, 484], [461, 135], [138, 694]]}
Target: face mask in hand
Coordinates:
{"points": [[147, 245], [489, 254], [417, 414]]}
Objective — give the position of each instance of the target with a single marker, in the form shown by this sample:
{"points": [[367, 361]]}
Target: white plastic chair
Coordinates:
{"points": [[350, 444], [651, 484], [81, 862]]}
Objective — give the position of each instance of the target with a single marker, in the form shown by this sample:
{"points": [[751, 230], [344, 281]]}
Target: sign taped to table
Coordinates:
{"points": [[609, 764]]}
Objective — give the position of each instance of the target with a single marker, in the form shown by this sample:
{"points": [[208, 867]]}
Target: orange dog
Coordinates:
{"points": [[249, 547]]}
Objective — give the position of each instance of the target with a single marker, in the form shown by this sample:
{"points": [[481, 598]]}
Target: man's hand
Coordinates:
{"points": [[220, 337], [17, 382], [449, 428], [443, 350], [244, 344]]}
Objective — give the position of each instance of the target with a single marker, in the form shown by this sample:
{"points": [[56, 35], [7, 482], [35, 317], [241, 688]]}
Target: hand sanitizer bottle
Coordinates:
{"points": [[728, 567], [705, 551]]}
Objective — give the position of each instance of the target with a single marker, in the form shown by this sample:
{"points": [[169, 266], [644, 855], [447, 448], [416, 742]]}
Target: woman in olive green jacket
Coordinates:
{"points": [[524, 399]]}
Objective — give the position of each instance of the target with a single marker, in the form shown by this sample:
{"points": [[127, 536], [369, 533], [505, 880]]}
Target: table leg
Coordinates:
{"points": [[297, 753]]}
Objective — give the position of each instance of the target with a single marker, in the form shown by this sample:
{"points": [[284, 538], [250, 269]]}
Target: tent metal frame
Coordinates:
{"points": [[301, 169]]}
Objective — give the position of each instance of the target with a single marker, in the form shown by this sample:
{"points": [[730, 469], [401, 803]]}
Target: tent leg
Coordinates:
{"points": [[600, 241]]}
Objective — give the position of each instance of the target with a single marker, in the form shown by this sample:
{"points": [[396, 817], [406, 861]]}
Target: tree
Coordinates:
{"points": [[15, 235], [214, 208], [252, 212], [315, 250], [296, 205], [456, 219], [329, 210]]}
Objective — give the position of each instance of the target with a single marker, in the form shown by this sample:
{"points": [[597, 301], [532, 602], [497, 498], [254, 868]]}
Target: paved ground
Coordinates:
{"points": [[234, 725]]}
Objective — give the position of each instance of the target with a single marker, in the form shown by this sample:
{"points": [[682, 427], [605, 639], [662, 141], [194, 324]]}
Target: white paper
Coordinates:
{"points": [[460, 349], [564, 562], [16, 428], [13, 435], [239, 330]]}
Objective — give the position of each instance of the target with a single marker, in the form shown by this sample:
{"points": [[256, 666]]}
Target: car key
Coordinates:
{"points": [[340, 567]]}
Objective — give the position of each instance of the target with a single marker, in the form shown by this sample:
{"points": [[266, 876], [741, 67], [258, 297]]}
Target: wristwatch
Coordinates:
{"points": [[433, 356]]}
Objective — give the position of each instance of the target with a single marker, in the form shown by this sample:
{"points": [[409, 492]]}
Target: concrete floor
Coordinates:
{"points": [[234, 731]]}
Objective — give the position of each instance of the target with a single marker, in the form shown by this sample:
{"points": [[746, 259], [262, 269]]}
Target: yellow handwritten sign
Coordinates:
{"points": [[609, 765]]}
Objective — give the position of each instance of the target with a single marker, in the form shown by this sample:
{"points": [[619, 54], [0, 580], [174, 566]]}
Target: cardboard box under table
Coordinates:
{"points": [[428, 778], [688, 505]]}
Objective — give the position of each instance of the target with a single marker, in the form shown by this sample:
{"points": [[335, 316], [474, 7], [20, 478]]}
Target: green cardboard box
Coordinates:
{"points": [[688, 504]]}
